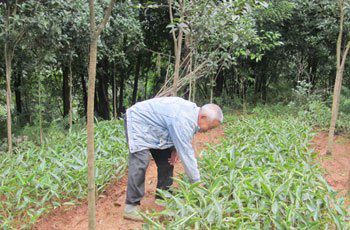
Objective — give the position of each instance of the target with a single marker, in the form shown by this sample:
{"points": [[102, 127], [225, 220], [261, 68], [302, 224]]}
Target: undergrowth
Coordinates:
{"points": [[261, 176], [34, 180]]}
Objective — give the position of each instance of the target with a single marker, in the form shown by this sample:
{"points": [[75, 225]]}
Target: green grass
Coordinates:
{"points": [[262, 176], [36, 179]]}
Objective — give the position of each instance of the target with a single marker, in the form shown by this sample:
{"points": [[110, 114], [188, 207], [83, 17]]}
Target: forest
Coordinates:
{"points": [[278, 68]]}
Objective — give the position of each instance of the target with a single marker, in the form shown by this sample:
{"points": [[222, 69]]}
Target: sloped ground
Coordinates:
{"points": [[110, 204], [337, 166]]}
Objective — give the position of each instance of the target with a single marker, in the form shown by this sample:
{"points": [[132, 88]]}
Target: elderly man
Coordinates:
{"points": [[163, 127]]}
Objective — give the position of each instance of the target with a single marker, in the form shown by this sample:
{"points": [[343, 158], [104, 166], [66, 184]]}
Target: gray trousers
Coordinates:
{"points": [[138, 164]]}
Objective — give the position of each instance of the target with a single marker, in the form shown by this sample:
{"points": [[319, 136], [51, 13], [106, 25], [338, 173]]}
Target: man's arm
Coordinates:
{"points": [[181, 136]]}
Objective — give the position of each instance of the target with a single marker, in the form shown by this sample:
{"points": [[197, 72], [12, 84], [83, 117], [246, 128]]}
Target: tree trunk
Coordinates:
{"points": [[158, 69], [258, 85], [94, 35], [189, 55], [244, 102], [146, 83], [40, 113], [193, 84], [136, 80], [96, 109], [341, 58], [114, 93], [257, 89], [264, 87], [17, 89], [313, 64], [103, 98], [102, 102], [121, 95], [90, 133], [8, 55], [70, 86], [194, 91], [219, 83], [335, 110], [83, 85], [65, 91], [8, 63], [177, 46], [177, 49]]}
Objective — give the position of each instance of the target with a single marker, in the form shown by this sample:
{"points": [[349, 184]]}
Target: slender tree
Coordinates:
{"points": [[137, 76], [17, 22], [114, 92], [70, 84], [9, 50], [177, 45], [94, 36], [341, 59], [8, 53]]}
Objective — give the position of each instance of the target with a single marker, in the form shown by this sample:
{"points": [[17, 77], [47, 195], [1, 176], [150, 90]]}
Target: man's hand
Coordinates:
{"points": [[174, 158]]}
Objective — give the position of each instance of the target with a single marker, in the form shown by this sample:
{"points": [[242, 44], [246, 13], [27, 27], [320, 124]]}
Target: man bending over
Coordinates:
{"points": [[163, 127]]}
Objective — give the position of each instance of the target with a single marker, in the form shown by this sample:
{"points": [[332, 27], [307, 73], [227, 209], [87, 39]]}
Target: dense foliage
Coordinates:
{"points": [[261, 176], [255, 52], [36, 179]]}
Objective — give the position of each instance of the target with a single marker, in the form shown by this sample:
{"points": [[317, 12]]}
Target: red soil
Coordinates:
{"points": [[337, 166], [110, 204]]}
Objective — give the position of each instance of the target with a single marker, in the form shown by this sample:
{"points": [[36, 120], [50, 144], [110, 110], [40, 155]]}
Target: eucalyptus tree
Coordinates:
{"points": [[95, 32], [343, 47]]}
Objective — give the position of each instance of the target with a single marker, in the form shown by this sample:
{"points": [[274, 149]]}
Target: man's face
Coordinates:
{"points": [[205, 124]]}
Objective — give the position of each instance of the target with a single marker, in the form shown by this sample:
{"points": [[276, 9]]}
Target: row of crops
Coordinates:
{"points": [[36, 179], [262, 176]]}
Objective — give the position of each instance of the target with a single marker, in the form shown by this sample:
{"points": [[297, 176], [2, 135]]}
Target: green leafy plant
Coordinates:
{"points": [[36, 179], [261, 176]]}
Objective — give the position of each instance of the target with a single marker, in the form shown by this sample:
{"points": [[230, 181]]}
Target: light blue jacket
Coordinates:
{"points": [[161, 123]]}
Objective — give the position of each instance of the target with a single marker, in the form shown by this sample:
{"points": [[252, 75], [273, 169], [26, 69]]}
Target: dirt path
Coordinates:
{"points": [[337, 166], [110, 204]]}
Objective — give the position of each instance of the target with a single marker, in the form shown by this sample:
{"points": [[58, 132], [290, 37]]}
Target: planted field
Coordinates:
{"points": [[34, 180], [262, 175]]}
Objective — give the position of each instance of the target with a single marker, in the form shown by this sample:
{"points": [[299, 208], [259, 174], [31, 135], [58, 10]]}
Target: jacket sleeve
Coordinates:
{"points": [[181, 136]]}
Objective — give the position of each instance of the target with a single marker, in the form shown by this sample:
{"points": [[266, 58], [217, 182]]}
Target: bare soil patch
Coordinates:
{"points": [[336, 167]]}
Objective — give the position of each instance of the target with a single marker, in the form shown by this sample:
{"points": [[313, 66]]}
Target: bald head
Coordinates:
{"points": [[212, 112], [210, 116]]}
